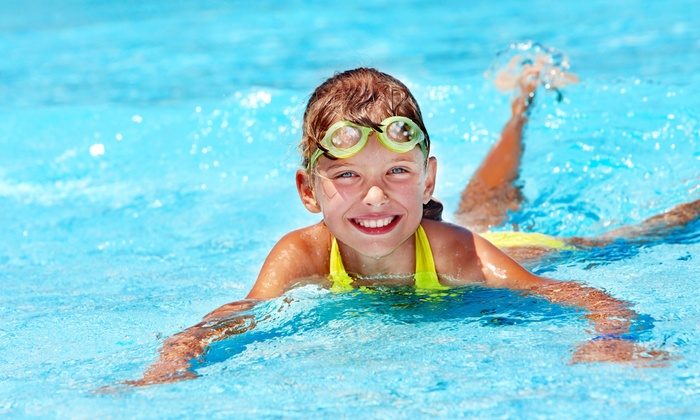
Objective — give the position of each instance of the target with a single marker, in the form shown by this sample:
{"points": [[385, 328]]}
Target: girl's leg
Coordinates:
{"points": [[491, 192], [654, 227]]}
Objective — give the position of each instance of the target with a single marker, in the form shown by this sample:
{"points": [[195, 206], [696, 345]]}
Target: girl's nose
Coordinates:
{"points": [[375, 197]]}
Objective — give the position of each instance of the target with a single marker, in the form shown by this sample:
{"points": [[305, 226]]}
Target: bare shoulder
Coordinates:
{"points": [[454, 251], [448, 236], [467, 257], [305, 252], [300, 254]]}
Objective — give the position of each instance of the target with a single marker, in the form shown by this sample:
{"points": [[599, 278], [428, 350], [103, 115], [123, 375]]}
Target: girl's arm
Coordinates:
{"points": [[611, 318], [277, 275], [175, 357]]}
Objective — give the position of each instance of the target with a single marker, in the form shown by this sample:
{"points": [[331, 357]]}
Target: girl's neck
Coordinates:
{"points": [[400, 261]]}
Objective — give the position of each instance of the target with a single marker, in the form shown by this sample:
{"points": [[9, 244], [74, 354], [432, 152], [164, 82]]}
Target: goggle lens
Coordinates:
{"points": [[346, 137], [401, 132]]}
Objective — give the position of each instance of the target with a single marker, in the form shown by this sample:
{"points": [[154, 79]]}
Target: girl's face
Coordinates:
{"points": [[373, 201]]}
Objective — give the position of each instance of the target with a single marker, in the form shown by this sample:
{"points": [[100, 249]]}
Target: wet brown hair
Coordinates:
{"points": [[364, 96]]}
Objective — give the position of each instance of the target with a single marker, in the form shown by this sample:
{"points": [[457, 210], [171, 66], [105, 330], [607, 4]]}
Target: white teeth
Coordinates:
{"points": [[374, 223]]}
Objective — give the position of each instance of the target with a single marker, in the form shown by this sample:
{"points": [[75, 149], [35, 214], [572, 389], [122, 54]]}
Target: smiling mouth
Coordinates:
{"points": [[376, 226]]}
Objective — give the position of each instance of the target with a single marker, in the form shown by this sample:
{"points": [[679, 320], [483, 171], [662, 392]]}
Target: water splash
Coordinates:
{"points": [[521, 59]]}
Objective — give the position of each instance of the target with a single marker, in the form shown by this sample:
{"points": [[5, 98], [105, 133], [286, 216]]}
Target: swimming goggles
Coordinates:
{"points": [[345, 139]]}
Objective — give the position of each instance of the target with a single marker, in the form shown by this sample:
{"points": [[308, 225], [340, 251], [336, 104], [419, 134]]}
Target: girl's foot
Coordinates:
{"points": [[528, 81], [550, 74]]}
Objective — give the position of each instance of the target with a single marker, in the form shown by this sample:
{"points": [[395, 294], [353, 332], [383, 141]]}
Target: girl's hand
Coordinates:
{"points": [[178, 351], [619, 350], [175, 356], [164, 372]]}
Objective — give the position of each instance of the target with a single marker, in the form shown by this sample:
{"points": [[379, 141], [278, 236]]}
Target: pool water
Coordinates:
{"points": [[148, 153]]}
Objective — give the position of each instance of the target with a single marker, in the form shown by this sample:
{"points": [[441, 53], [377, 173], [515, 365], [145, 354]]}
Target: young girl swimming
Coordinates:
{"points": [[368, 171]]}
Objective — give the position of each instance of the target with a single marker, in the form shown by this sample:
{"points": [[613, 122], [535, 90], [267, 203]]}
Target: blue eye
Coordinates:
{"points": [[398, 170], [346, 175]]}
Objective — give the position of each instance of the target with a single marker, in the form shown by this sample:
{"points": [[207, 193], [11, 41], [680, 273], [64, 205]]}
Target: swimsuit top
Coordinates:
{"points": [[426, 276]]}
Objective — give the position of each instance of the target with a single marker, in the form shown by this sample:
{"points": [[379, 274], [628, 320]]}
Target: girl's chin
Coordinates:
{"points": [[376, 247]]}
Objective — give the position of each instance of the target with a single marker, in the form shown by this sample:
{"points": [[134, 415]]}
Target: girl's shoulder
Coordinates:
{"points": [[299, 256], [454, 250], [445, 233], [310, 242]]}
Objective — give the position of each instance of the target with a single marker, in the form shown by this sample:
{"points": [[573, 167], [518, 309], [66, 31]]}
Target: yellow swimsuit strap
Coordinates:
{"points": [[340, 278], [426, 276]]}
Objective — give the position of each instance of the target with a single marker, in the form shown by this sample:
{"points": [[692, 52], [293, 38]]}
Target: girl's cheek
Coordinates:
{"points": [[409, 187], [329, 190]]}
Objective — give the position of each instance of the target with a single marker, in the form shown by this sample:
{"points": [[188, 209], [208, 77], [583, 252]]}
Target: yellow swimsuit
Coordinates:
{"points": [[426, 276], [525, 239]]}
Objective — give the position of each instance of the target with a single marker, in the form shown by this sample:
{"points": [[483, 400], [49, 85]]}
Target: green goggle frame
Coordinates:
{"points": [[345, 139]]}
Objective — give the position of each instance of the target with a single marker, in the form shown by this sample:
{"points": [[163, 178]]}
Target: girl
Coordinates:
{"points": [[367, 170]]}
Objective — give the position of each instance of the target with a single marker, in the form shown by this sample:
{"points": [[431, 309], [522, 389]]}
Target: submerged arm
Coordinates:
{"points": [[611, 318], [278, 273], [175, 357]]}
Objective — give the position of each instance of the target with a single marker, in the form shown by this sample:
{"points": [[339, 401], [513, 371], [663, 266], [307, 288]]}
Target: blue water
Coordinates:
{"points": [[148, 152]]}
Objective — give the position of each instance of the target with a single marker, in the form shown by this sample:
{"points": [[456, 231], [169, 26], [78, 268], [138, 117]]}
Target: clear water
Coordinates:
{"points": [[146, 169]]}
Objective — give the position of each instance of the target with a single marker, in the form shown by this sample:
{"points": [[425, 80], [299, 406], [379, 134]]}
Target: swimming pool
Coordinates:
{"points": [[148, 153]]}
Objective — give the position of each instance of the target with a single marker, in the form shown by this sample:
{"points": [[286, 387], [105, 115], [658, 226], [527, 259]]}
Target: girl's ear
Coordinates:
{"points": [[431, 169], [306, 191]]}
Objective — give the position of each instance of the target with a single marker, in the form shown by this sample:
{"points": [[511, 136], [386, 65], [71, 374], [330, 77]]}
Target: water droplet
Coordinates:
{"points": [[97, 149]]}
